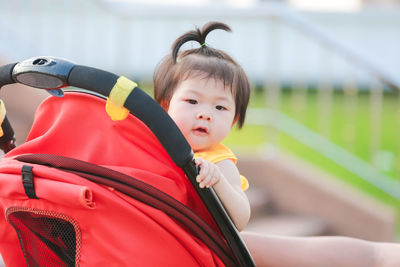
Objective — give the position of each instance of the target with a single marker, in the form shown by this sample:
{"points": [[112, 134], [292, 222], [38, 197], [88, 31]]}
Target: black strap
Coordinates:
{"points": [[27, 181]]}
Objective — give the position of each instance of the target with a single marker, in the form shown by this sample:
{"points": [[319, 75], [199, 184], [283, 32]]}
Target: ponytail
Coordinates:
{"points": [[199, 36]]}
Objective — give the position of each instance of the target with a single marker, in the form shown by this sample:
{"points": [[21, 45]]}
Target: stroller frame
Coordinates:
{"points": [[53, 74]]}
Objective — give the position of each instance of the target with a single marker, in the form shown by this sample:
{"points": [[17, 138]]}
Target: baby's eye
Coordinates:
{"points": [[219, 107], [191, 101]]}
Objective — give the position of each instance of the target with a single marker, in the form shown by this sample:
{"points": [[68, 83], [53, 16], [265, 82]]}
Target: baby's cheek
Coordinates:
{"points": [[180, 123], [225, 128]]}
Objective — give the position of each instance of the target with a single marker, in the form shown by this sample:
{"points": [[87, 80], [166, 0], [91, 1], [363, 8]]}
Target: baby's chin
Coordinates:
{"points": [[200, 144], [200, 148]]}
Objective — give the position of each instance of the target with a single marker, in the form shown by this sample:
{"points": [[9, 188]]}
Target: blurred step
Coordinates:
{"points": [[288, 225]]}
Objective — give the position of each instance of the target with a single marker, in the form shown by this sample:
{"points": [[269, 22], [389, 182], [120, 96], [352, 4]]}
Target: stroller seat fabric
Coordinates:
{"points": [[84, 190]]}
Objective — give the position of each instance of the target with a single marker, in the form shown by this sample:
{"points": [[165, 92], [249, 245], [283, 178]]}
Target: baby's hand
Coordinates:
{"points": [[209, 173]]}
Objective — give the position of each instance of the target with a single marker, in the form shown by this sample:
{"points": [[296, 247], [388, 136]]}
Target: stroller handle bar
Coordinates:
{"points": [[53, 74]]}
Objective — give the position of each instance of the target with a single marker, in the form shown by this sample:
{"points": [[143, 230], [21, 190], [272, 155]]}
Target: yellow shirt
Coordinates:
{"points": [[219, 153]]}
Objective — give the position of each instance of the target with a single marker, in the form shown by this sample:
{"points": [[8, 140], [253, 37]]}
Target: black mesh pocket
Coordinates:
{"points": [[46, 238]]}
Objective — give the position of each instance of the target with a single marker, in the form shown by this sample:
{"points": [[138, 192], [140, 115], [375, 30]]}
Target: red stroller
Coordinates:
{"points": [[86, 190]]}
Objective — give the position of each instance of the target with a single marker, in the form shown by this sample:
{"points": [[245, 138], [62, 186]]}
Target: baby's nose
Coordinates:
{"points": [[204, 116]]}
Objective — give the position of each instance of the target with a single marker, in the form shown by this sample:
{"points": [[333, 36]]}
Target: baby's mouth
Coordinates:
{"points": [[200, 131]]}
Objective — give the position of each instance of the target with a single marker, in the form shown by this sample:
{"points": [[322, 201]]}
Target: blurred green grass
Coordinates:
{"points": [[349, 130]]}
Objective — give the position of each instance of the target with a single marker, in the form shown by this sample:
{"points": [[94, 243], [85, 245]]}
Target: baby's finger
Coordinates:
{"points": [[203, 181], [209, 178], [198, 161], [204, 166], [200, 175], [209, 182], [212, 181], [204, 173], [215, 178]]}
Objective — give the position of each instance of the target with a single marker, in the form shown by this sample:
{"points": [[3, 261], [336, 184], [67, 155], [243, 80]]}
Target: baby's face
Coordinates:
{"points": [[204, 110]]}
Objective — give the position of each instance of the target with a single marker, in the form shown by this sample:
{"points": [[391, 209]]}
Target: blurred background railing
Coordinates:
{"points": [[325, 84]]}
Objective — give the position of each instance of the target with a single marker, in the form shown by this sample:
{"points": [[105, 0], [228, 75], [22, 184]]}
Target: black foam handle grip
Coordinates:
{"points": [[6, 74], [92, 79]]}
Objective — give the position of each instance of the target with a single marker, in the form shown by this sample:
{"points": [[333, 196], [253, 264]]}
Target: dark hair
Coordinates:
{"points": [[204, 61]]}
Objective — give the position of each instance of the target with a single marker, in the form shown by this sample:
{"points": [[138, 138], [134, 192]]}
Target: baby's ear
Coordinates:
{"points": [[235, 120]]}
